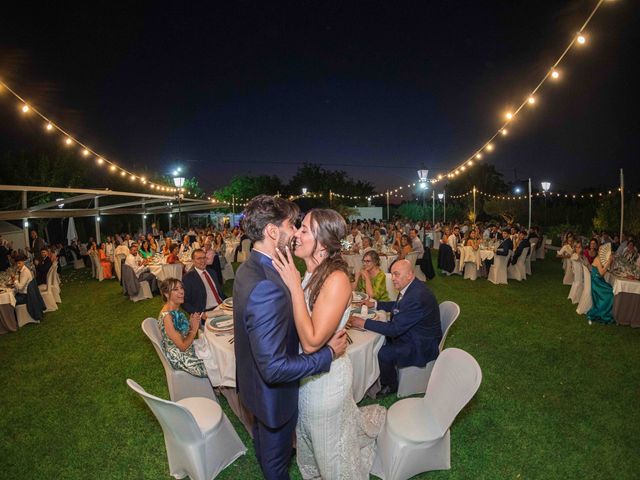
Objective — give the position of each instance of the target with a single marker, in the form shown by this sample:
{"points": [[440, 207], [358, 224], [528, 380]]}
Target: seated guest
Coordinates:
{"points": [[173, 254], [378, 241], [506, 245], [523, 242], [414, 331], [601, 291], [153, 245], [202, 292], [178, 331], [405, 247], [371, 279], [591, 251], [355, 239], [5, 252], [21, 279], [166, 250], [121, 249], [367, 244], [43, 264], [471, 240], [213, 261], [139, 267], [145, 250], [185, 246], [105, 262], [446, 256], [630, 253], [416, 243]]}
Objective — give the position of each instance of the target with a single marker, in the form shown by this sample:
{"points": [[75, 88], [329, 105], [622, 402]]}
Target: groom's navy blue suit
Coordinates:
{"points": [[268, 363]]}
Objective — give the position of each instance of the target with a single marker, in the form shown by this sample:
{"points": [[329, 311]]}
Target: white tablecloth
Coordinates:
{"points": [[623, 285], [221, 364], [8, 297]]}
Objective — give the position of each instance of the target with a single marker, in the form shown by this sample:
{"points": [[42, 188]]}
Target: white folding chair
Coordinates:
{"points": [[198, 436], [181, 384], [498, 271], [518, 271], [47, 295], [391, 290], [586, 301], [576, 286], [416, 436], [23, 317], [412, 380]]}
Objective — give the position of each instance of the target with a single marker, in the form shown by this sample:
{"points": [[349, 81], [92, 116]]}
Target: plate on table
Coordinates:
{"points": [[223, 323], [227, 304], [357, 311], [359, 297]]}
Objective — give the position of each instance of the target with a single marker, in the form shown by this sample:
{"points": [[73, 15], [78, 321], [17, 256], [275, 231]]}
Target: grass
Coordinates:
{"points": [[559, 398]]}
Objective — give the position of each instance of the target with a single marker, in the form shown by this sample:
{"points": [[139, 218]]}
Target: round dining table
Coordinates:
{"points": [[8, 320]]}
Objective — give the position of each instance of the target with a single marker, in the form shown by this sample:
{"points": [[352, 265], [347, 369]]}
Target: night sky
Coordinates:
{"points": [[378, 89]]}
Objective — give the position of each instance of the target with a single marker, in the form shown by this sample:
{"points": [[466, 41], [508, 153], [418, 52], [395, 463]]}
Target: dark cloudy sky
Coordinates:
{"points": [[374, 88]]}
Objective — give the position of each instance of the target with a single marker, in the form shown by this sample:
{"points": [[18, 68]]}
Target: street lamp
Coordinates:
{"points": [[546, 186], [422, 176], [304, 190], [179, 183], [442, 198]]}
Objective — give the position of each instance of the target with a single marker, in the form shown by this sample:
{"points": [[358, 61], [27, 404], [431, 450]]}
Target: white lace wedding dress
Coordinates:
{"points": [[335, 439]]}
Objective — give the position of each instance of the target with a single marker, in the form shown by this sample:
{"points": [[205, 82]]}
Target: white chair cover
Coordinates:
{"points": [[412, 380], [534, 250], [53, 282], [173, 270], [117, 265], [181, 384], [540, 250], [47, 293], [199, 438], [391, 290], [498, 271], [78, 264], [416, 436], [527, 262], [576, 286], [518, 271], [568, 272], [143, 293], [586, 301], [23, 317]]}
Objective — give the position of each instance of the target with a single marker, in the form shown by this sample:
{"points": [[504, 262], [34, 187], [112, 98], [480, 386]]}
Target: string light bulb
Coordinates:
{"points": [[68, 141], [504, 132], [25, 108], [555, 74], [48, 127], [490, 147], [85, 152], [531, 100], [100, 161], [112, 168], [123, 173], [581, 39], [509, 115], [478, 155]]}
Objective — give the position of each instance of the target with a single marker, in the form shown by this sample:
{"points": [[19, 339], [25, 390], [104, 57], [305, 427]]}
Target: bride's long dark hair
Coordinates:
{"points": [[328, 229]]}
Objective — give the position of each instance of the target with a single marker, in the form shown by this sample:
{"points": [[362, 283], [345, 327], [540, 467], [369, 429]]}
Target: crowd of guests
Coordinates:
{"points": [[602, 254]]}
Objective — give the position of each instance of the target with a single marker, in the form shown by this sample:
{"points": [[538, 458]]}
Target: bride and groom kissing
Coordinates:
{"points": [[290, 343]]}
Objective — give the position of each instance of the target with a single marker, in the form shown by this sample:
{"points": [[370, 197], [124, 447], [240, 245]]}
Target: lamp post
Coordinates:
{"points": [[179, 183], [545, 188], [443, 198], [422, 176]]}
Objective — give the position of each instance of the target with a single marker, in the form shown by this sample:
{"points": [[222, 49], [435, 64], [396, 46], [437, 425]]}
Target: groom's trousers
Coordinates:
{"points": [[274, 447]]}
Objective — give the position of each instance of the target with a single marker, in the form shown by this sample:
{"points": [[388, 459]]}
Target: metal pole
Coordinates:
{"points": [[388, 216], [169, 223], [25, 222], [444, 210], [144, 219], [97, 222], [529, 204], [474, 204], [621, 203], [330, 199], [233, 206], [433, 208], [179, 210]]}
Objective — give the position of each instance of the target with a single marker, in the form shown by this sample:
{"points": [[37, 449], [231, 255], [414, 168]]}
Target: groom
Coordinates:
{"points": [[268, 362]]}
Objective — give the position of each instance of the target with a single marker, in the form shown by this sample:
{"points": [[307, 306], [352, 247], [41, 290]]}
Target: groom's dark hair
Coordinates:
{"points": [[263, 210]]}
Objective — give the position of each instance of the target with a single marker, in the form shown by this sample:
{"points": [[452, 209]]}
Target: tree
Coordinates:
{"points": [[246, 187], [319, 180]]}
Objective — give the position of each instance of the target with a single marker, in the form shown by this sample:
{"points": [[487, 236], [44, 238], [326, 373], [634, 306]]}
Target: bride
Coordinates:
{"points": [[335, 440]]}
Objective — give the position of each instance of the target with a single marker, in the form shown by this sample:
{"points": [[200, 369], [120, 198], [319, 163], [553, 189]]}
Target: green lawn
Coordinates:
{"points": [[559, 398]]}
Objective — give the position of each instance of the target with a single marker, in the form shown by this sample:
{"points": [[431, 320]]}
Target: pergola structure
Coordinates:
{"points": [[102, 202]]}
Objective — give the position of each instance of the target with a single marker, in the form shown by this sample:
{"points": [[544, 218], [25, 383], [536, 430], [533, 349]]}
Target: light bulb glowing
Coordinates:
{"points": [[478, 155], [581, 39], [490, 147], [49, 127], [555, 75], [509, 115], [133, 177], [463, 168], [100, 161], [68, 141], [504, 131], [25, 108], [470, 163], [531, 100], [112, 168], [85, 152], [123, 173]]}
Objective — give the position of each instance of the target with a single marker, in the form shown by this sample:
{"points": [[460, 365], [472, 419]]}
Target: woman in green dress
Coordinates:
{"points": [[145, 250], [601, 291], [371, 279], [178, 331]]}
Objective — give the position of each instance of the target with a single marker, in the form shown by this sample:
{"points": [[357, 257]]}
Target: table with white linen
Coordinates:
{"points": [[363, 352], [626, 300], [8, 320]]}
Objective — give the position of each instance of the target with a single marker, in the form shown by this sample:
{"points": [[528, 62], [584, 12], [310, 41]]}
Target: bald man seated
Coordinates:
{"points": [[413, 332]]}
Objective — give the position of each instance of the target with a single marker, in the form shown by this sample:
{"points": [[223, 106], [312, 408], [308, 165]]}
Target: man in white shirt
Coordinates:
{"points": [[139, 267], [22, 280], [355, 239], [416, 244]]}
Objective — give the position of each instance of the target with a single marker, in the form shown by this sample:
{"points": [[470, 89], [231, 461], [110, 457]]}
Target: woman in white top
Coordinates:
{"points": [[335, 439], [23, 278]]}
